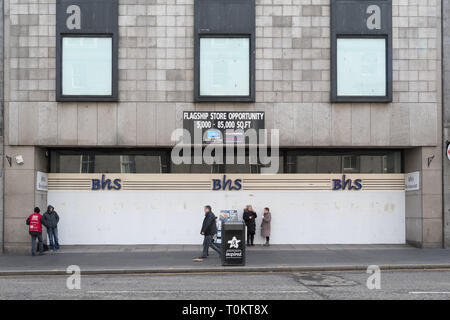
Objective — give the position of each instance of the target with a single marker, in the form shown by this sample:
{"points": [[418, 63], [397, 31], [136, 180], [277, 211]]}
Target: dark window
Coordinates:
{"points": [[291, 161], [108, 161], [250, 165], [354, 161]]}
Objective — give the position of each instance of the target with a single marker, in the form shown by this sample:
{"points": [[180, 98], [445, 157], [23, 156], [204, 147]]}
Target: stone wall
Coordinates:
{"points": [[156, 78], [446, 117]]}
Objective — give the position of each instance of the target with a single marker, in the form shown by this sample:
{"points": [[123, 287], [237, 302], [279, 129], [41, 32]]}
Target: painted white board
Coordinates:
{"points": [[175, 217]]}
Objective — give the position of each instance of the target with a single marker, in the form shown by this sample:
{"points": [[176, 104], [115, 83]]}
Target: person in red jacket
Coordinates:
{"points": [[35, 230]]}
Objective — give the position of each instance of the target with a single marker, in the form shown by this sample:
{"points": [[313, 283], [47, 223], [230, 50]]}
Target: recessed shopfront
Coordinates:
{"points": [[343, 206]]}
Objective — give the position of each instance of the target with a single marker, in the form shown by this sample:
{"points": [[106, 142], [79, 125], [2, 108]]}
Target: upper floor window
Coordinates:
{"points": [[224, 66], [87, 66], [361, 51], [87, 50], [361, 67], [224, 50]]}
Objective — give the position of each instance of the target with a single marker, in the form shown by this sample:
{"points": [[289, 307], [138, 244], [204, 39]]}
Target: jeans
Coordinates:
{"points": [[38, 236], [208, 242], [53, 238]]}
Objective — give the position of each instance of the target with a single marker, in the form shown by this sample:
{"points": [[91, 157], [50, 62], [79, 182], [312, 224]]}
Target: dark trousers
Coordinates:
{"points": [[250, 238], [208, 242], [38, 236]]}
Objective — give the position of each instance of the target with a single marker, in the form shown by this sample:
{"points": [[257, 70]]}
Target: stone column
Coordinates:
{"points": [[446, 116], [1, 125], [21, 195], [424, 207]]}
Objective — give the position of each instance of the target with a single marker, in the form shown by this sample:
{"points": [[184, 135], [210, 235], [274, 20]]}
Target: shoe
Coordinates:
{"points": [[199, 259], [33, 254]]}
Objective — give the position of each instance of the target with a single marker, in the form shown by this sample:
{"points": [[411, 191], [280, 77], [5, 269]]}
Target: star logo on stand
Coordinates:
{"points": [[234, 243]]}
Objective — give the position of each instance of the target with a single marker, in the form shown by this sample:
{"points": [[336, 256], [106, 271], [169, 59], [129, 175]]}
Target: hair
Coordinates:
{"points": [[37, 210], [208, 207], [267, 209]]}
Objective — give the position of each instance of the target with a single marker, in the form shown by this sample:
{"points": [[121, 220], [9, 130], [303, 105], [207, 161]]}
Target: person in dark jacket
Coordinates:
{"points": [[50, 220], [34, 221], [249, 217], [209, 229]]}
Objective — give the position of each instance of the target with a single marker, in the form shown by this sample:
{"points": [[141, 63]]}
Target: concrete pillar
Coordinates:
{"points": [[21, 195], [1, 125], [446, 189], [446, 116], [424, 227]]}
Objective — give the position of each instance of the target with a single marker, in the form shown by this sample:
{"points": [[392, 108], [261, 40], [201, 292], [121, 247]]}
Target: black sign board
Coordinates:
{"points": [[87, 18], [361, 19], [222, 126], [233, 244]]}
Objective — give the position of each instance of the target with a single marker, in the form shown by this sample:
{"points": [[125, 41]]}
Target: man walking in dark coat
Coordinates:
{"points": [[209, 229], [50, 220], [249, 218]]}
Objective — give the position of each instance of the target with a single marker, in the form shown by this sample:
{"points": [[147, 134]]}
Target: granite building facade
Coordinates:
{"points": [[292, 85]]}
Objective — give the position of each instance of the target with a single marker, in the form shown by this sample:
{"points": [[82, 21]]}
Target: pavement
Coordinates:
{"points": [[94, 260]]}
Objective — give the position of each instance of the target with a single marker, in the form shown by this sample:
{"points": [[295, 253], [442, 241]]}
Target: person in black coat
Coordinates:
{"points": [[209, 229], [250, 221], [50, 220]]}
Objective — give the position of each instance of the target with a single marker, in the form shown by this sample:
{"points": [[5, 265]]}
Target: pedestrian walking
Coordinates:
{"points": [[50, 220], [249, 217], [209, 229], [265, 226], [34, 221]]}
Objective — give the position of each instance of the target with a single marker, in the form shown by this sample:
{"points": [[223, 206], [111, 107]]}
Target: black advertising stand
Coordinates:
{"points": [[233, 244]]}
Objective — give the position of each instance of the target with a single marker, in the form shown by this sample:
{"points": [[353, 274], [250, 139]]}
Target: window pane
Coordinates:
{"points": [[306, 164], [70, 164], [148, 164], [361, 67], [224, 67], [107, 163], [87, 66]]}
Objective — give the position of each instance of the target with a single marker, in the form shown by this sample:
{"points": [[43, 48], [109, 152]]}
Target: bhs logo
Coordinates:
{"points": [[226, 184], [348, 184], [103, 184]]}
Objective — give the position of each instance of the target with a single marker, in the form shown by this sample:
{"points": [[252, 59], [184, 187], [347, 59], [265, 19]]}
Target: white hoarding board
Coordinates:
{"points": [[175, 217]]}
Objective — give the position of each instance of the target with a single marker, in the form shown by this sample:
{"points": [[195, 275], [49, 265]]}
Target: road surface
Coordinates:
{"points": [[253, 286]]}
